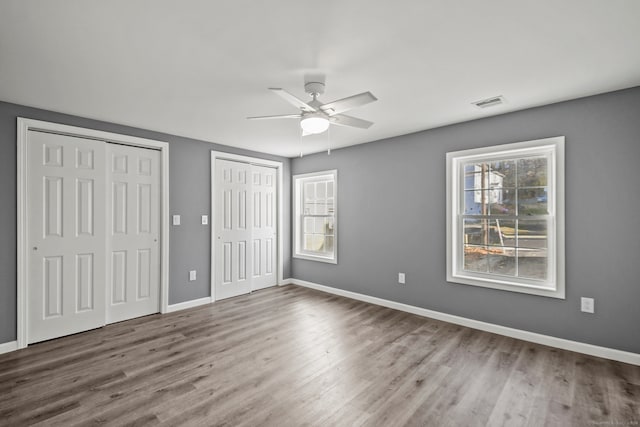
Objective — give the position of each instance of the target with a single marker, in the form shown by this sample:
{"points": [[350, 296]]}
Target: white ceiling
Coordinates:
{"points": [[197, 68]]}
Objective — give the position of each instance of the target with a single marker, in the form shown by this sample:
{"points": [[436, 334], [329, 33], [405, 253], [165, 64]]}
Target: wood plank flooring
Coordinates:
{"points": [[290, 356]]}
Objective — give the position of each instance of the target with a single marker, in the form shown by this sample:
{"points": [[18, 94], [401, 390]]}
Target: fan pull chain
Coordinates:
{"points": [[301, 143], [329, 141]]}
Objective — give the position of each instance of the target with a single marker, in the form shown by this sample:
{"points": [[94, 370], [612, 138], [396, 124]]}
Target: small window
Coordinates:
{"points": [[315, 210], [505, 217]]}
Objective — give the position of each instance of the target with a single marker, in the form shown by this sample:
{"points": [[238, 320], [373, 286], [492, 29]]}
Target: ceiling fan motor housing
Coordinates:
{"points": [[314, 88]]}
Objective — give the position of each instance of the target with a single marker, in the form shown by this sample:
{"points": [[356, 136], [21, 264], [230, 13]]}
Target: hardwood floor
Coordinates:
{"points": [[290, 356]]}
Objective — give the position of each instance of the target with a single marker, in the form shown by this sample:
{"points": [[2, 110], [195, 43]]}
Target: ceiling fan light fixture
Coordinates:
{"points": [[314, 123]]}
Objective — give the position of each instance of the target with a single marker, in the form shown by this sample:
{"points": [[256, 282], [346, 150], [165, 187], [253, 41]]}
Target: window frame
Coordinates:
{"points": [[298, 202], [554, 285]]}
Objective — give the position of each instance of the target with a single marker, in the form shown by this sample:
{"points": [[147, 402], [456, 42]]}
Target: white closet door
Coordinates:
{"points": [[133, 227], [233, 215], [66, 205], [263, 232]]}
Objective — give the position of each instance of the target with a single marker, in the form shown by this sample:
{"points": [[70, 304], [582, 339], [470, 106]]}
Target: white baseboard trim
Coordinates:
{"points": [[188, 304], [8, 346], [579, 347]]}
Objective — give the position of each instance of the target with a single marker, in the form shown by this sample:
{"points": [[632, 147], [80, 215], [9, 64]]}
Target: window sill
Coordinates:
{"points": [[547, 291], [316, 258]]}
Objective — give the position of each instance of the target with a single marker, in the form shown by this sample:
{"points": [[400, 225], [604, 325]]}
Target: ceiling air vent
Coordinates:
{"points": [[489, 102]]}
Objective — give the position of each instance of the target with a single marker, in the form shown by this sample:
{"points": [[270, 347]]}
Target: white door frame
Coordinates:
{"points": [[252, 161], [24, 126]]}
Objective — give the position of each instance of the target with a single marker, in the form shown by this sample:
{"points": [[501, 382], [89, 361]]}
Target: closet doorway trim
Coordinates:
{"points": [[26, 125], [279, 207]]}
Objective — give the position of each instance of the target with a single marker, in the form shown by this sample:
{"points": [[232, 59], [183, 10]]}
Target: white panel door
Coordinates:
{"points": [[133, 227], [66, 237], [233, 216], [263, 231]]}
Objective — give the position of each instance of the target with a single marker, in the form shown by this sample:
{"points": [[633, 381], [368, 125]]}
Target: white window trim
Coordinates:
{"points": [[297, 205], [555, 286]]}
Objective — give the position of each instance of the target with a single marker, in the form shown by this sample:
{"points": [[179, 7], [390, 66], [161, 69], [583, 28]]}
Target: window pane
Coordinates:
{"points": [[532, 263], [308, 242], [308, 225], [504, 172], [313, 242], [473, 202], [532, 172], [532, 234], [320, 225], [309, 191], [309, 198], [502, 232], [329, 188], [475, 258], [473, 231], [502, 201], [473, 176], [321, 190], [532, 201], [502, 261]]}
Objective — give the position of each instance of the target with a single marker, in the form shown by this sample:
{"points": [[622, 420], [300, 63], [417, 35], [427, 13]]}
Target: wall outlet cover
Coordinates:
{"points": [[205, 219], [192, 275], [587, 305], [401, 278], [176, 220]]}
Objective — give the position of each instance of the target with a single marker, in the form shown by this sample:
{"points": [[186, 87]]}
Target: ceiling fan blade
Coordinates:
{"points": [[344, 120], [293, 100], [345, 104], [282, 116]]}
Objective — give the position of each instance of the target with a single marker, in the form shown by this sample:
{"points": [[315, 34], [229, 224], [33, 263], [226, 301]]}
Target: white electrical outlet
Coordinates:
{"points": [[587, 305], [176, 220], [205, 219], [192, 275], [401, 278]]}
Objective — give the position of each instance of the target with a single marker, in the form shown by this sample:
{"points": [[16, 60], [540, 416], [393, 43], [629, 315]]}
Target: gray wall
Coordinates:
{"points": [[190, 196], [391, 217]]}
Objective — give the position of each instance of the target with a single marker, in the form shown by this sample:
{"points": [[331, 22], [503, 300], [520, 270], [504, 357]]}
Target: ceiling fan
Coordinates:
{"points": [[315, 117]]}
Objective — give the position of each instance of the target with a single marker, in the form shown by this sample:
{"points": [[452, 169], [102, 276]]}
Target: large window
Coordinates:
{"points": [[315, 210], [505, 219]]}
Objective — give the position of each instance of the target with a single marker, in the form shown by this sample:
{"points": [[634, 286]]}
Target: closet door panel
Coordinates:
{"points": [[66, 205], [234, 216], [264, 230], [133, 273]]}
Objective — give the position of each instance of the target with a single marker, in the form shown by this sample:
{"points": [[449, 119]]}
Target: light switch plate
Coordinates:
{"points": [[205, 219], [192, 275], [401, 278], [176, 220]]}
